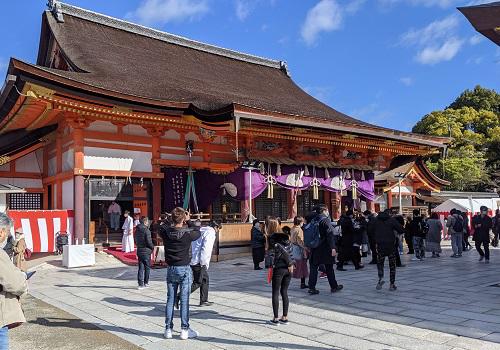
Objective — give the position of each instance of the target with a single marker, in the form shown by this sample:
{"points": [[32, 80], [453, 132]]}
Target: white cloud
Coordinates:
{"points": [[326, 16], [243, 9], [435, 42], [354, 6], [406, 81], [165, 11], [321, 93], [426, 3], [475, 60], [476, 39], [435, 54]]}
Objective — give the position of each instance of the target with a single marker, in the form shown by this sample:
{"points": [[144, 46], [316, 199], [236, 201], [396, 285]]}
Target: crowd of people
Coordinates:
{"points": [[309, 248], [323, 243]]}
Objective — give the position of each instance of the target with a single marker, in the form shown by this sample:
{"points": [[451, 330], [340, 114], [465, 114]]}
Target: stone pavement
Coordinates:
{"points": [[440, 304]]}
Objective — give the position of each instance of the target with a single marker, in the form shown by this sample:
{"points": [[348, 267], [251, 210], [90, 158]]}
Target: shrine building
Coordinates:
{"points": [[108, 109]]}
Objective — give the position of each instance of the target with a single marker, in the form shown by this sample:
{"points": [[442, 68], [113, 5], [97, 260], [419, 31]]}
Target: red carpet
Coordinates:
{"points": [[128, 258]]}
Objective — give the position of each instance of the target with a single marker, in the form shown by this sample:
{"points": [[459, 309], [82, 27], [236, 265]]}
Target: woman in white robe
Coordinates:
{"points": [[128, 234]]}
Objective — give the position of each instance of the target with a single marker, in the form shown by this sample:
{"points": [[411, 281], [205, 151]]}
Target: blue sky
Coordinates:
{"points": [[387, 62]]}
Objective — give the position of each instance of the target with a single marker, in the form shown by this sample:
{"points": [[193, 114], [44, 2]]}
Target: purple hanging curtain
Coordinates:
{"points": [[208, 185], [240, 179]]}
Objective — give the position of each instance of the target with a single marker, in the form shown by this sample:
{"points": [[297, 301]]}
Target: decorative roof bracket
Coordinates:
{"points": [[55, 7]]}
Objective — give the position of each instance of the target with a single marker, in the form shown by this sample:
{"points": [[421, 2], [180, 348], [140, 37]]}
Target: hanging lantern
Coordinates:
{"points": [[306, 171], [327, 174], [315, 185], [354, 189], [270, 181], [347, 174], [363, 175], [278, 170]]}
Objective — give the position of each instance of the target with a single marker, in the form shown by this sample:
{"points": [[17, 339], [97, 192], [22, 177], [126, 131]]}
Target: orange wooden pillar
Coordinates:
{"points": [[336, 205], [79, 182], [292, 204], [156, 133], [389, 199], [59, 193]]}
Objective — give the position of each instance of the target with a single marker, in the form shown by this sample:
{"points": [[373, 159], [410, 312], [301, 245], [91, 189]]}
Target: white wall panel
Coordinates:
{"points": [[3, 202], [67, 194], [68, 160], [52, 166], [31, 183], [29, 164], [171, 135], [113, 159], [135, 130], [102, 126]]}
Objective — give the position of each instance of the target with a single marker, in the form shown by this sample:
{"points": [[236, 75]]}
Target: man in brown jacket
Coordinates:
{"points": [[12, 286]]}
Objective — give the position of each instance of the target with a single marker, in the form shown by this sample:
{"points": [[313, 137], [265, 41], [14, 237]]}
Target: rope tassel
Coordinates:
{"points": [[354, 189]]}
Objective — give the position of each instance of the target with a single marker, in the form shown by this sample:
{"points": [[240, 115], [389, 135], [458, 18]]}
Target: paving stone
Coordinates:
{"points": [[405, 342]]}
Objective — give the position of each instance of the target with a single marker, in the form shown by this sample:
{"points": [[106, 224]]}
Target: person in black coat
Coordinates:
{"points": [[145, 248], [283, 268], [258, 244], [352, 232], [370, 230], [386, 229], [482, 224], [325, 253]]}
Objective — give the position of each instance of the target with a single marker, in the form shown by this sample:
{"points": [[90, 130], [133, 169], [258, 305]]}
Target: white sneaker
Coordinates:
{"points": [[188, 333], [146, 286], [168, 333], [415, 259], [140, 287]]}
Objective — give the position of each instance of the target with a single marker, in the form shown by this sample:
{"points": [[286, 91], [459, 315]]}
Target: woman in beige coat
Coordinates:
{"points": [[12, 286], [19, 249], [297, 239]]}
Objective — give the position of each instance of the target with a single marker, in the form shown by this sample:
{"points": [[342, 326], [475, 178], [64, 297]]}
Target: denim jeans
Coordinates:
{"points": [[178, 277], [4, 338], [144, 262], [456, 243]]}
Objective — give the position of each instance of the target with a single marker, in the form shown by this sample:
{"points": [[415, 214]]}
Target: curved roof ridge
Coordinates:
{"points": [[59, 9]]}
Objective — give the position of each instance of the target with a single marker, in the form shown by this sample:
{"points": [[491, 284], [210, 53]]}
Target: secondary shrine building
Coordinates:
{"points": [[105, 112]]}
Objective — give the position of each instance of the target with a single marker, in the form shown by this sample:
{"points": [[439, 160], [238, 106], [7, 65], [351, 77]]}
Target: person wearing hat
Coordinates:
{"points": [[482, 224], [19, 248]]}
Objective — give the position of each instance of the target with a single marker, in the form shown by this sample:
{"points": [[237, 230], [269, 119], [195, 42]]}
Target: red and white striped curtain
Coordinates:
{"points": [[41, 226]]}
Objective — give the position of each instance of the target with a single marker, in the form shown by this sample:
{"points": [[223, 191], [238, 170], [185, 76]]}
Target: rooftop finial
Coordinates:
{"points": [[55, 7], [284, 67]]}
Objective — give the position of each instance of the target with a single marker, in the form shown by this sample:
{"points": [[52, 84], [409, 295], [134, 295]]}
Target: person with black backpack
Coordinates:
{"points": [[455, 224], [320, 239], [279, 258]]}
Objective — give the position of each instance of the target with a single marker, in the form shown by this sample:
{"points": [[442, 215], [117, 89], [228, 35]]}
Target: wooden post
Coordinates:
{"points": [[336, 205], [389, 199], [156, 133], [59, 193], [292, 204], [78, 124]]}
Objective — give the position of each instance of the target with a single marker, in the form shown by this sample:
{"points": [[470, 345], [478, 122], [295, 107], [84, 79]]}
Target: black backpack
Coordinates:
{"points": [[458, 226]]}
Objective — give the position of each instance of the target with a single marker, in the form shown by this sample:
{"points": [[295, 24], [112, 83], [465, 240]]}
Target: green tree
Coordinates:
{"points": [[479, 98], [473, 122]]}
